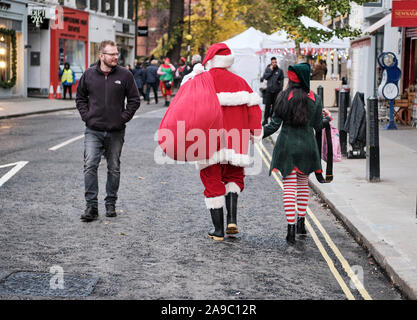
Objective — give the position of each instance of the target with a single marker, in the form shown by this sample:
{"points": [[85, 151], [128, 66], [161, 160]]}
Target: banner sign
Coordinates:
{"points": [[404, 14]]}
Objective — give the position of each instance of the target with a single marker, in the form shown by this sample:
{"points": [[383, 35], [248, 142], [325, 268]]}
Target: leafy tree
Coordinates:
{"points": [[260, 14], [291, 10], [214, 21]]}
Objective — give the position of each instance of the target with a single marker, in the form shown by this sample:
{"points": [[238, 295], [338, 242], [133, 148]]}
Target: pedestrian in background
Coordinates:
{"points": [[128, 67], [140, 78], [181, 71], [296, 154], [186, 73], [152, 80], [166, 77], [275, 82], [101, 95], [67, 79]]}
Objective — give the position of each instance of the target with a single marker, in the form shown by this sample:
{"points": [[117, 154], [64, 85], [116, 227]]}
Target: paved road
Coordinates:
{"points": [[157, 247]]}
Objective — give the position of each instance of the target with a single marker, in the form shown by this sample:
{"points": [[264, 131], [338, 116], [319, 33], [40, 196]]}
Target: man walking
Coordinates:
{"points": [[101, 95], [152, 80], [67, 80], [275, 81]]}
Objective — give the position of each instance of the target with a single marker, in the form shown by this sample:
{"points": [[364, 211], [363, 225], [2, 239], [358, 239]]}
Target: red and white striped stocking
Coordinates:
{"points": [[295, 184]]}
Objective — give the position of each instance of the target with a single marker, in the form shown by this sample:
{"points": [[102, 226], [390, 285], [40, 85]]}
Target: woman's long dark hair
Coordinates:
{"points": [[295, 111]]}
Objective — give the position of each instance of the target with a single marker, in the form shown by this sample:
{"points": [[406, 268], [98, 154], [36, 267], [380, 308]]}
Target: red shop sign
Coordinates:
{"points": [[404, 14]]}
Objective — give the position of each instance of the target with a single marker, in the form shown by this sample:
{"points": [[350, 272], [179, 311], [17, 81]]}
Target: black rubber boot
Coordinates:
{"points": [[111, 210], [231, 206], [301, 228], [218, 221], [291, 234], [90, 214]]}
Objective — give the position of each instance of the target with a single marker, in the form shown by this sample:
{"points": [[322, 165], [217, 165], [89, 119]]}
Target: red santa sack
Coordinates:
{"points": [[184, 132]]}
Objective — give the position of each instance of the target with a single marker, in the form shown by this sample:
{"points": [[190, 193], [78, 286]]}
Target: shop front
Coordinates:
{"points": [[404, 15], [13, 57], [69, 44]]}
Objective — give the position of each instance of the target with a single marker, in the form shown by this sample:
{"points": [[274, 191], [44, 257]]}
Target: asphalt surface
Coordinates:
{"points": [[157, 247]]}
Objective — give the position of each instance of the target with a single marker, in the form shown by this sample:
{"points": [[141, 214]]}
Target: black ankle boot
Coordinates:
{"points": [[291, 234], [301, 228], [90, 214], [218, 221], [231, 206]]}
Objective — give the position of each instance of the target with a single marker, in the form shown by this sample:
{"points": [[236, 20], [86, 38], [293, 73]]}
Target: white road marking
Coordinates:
{"points": [[17, 166], [65, 143], [54, 148]]}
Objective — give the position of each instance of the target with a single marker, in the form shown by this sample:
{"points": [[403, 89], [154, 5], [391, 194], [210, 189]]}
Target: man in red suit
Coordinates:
{"points": [[223, 174]]}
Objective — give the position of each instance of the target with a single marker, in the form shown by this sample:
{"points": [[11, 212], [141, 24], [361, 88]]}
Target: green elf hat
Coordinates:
{"points": [[300, 73]]}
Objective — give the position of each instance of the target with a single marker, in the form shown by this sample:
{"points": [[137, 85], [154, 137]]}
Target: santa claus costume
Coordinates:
{"points": [[223, 173]]}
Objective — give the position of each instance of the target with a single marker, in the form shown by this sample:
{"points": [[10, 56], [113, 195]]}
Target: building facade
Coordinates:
{"points": [[61, 31], [13, 51]]}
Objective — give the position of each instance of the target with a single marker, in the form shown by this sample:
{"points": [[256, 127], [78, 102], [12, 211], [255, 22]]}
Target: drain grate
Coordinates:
{"points": [[39, 284]]}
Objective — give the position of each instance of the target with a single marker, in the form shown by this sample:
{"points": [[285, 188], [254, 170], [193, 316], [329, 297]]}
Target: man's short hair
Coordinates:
{"points": [[273, 58], [104, 44], [154, 62], [196, 58]]}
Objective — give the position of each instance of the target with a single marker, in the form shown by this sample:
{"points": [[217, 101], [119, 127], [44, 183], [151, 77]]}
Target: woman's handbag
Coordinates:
{"points": [[167, 85], [329, 154]]}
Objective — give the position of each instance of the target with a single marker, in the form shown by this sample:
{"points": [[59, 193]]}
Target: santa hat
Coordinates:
{"points": [[219, 55]]}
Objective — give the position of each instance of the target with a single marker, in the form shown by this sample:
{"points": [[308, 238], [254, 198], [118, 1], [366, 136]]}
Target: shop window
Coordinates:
{"points": [[8, 58], [73, 52], [94, 5], [94, 46], [81, 4], [121, 8], [130, 9], [107, 6]]}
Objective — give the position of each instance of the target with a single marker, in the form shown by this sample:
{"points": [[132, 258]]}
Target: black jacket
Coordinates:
{"points": [[275, 79], [140, 77], [151, 74], [101, 99]]}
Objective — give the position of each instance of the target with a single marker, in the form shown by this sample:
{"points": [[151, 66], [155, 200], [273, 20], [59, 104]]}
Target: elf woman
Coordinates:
{"points": [[296, 154], [166, 73]]}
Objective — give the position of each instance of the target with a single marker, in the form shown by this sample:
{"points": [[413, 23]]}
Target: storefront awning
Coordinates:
{"points": [[372, 28]]}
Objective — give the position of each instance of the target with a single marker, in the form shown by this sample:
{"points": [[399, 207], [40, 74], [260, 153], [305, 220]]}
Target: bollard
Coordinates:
{"points": [[372, 141], [320, 94], [343, 107]]}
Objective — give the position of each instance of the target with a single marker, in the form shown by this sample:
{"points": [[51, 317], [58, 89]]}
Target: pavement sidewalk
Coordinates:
{"points": [[380, 215], [17, 107]]}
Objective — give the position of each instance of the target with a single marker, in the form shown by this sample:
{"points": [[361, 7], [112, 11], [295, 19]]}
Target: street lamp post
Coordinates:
{"points": [[188, 37], [136, 28]]}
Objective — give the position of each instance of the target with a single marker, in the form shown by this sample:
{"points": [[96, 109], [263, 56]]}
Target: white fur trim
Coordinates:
{"points": [[198, 68], [220, 61], [232, 187], [238, 98], [225, 156], [215, 202]]}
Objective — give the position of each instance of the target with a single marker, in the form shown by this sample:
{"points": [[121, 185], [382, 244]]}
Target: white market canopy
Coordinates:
{"points": [[280, 41], [247, 41]]}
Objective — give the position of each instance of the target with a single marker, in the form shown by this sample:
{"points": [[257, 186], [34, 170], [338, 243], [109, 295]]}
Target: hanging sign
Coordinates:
{"points": [[404, 14]]}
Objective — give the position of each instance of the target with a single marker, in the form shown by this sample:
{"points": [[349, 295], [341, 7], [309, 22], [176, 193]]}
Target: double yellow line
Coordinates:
{"points": [[346, 267]]}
